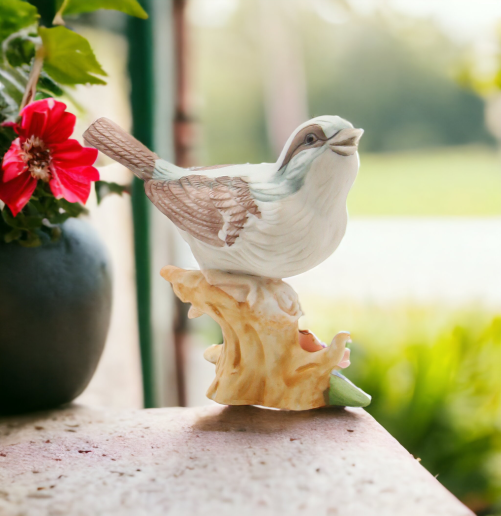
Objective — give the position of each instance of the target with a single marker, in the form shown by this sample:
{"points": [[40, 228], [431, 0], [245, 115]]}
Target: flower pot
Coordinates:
{"points": [[55, 304]]}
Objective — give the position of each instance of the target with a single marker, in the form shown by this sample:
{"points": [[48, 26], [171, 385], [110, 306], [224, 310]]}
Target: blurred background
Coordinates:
{"points": [[417, 279]]}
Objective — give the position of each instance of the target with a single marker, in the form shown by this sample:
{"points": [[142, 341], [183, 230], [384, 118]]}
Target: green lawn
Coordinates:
{"points": [[455, 181]]}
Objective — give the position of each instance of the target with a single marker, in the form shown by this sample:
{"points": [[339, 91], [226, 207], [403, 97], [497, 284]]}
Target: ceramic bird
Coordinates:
{"points": [[271, 219]]}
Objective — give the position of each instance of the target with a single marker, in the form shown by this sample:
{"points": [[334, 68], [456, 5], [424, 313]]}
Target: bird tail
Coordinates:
{"points": [[119, 145]]}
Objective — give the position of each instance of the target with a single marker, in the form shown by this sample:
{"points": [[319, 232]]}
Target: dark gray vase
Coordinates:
{"points": [[55, 304]]}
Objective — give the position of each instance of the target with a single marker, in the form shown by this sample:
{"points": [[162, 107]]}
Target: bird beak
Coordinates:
{"points": [[345, 142]]}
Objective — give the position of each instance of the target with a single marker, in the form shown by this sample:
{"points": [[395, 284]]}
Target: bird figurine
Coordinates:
{"points": [[274, 220], [259, 223]]}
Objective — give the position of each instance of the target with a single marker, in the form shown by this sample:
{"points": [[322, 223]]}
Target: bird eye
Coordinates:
{"points": [[310, 138]]}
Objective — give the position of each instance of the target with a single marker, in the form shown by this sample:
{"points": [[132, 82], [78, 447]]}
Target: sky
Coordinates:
{"points": [[461, 19]]}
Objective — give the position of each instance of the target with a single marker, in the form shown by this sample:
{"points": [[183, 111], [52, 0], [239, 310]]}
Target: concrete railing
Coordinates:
{"points": [[211, 461]]}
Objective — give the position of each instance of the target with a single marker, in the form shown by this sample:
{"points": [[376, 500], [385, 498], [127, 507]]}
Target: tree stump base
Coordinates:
{"points": [[261, 361]]}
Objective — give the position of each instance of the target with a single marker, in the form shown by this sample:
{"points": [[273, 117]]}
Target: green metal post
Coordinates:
{"points": [[140, 36]]}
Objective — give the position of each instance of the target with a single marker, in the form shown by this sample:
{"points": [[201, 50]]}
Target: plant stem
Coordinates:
{"points": [[58, 18], [31, 87]]}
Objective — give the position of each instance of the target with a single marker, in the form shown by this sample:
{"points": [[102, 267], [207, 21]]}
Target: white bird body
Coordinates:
{"points": [[293, 235], [272, 219]]}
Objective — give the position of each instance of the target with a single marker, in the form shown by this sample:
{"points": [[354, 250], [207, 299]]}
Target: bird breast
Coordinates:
{"points": [[293, 235]]}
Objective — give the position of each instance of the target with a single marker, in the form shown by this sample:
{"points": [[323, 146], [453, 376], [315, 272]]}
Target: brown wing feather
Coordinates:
{"points": [[203, 206]]}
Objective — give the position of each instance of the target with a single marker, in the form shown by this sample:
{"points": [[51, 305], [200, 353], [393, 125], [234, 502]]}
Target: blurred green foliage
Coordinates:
{"points": [[68, 58], [396, 81], [401, 93], [228, 72], [452, 181], [433, 374], [15, 14]]}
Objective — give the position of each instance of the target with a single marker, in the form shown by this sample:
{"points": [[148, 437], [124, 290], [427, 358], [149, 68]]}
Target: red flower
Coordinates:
{"points": [[43, 152]]}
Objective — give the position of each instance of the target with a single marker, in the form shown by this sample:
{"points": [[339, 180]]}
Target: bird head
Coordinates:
{"points": [[314, 138]]}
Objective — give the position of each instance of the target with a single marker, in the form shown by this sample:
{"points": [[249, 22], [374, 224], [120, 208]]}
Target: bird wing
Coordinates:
{"points": [[213, 210]]}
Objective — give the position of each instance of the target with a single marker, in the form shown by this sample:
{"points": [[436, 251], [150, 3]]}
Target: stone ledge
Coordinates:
{"points": [[211, 461]]}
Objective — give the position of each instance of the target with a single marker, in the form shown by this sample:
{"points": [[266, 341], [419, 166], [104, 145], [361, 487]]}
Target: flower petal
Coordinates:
{"points": [[33, 126], [345, 361], [40, 106], [48, 120], [71, 154], [65, 186], [83, 174], [13, 164], [17, 192], [60, 131], [10, 124]]}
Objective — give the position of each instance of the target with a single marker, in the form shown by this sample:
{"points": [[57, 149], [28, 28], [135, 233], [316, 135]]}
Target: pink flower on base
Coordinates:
{"points": [[44, 152]]}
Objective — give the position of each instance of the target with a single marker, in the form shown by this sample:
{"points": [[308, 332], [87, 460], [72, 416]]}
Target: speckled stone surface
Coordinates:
{"points": [[211, 461]]}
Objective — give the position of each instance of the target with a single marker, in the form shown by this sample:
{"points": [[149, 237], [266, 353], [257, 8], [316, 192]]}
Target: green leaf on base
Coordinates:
{"points": [[343, 393]]}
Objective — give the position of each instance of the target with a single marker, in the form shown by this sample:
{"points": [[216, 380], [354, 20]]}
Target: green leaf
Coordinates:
{"points": [[13, 82], [35, 206], [19, 51], [31, 208], [131, 7], [46, 84], [10, 220], [43, 190], [343, 393], [8, 110], [59, 218], [7, 136], [15, 234], [22, 221], [39, 219], [32, 222], [103, 188], [32, 240], [69, 59], [16, 14], [73, 208]]}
